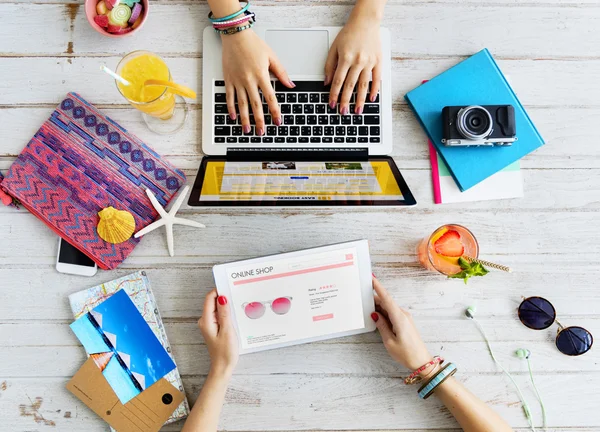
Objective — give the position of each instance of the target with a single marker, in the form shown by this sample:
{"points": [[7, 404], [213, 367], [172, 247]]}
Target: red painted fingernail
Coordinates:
{"points": [[246, 129], [260, 131], [359, 110], [344, 110], [232, 116], [374, 316], [278, 121], [222, 300], [291, 83], [373, 274], [373, 97], [332, 104]]}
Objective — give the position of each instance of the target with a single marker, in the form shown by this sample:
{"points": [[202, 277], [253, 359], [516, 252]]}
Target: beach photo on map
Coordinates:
{"points": [[123, 346]]}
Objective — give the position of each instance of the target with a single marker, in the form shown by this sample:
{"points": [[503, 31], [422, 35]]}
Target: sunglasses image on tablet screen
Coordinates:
{"points": [[538, 313], [255, 310]]}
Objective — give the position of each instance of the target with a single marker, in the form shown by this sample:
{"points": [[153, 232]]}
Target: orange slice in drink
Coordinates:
{"points": [[175, 88], [437, 236]]}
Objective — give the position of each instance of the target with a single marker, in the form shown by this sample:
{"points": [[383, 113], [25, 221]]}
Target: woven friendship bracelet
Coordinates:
{"points": [[430, 386], [414, 377], [228, 17], [234, 30]]}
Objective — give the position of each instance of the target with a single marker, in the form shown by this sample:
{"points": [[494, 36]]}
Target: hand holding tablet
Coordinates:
{"points": [[299, 297]]}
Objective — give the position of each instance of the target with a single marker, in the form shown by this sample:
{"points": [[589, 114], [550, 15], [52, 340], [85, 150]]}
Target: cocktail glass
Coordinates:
{"points": [[164, 110], [447, 265]]}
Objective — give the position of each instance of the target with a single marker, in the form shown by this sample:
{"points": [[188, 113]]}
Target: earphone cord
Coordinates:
{"points": [[523, 402], [537, 394]]}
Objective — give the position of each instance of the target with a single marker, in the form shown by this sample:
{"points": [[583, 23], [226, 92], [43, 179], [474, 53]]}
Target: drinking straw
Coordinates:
{"points": [[115, 75], [175, 88], [488, 264]]}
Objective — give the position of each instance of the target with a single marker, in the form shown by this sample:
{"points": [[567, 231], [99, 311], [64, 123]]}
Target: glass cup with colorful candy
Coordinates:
{"points": [[151, 90], [255, 310], [442, 249], [537, 313]]}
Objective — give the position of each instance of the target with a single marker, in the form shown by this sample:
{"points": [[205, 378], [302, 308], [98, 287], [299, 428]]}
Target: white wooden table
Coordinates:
{"points": [[550, 50]]}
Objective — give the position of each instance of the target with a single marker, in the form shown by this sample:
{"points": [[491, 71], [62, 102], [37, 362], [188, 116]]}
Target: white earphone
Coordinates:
{"points": [[521, 353]]}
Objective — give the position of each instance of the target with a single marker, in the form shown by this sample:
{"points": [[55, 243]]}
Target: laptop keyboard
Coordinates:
{"points": [[306, 118]]}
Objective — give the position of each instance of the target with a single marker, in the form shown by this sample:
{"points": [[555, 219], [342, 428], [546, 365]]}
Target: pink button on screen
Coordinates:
{"points": [[322, 317]]}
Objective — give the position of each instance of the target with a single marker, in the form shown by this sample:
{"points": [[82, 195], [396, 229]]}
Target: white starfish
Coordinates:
{"points": [[168, 219]]}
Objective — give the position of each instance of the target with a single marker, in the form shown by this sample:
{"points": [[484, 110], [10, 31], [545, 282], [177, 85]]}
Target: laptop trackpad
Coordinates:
{"points": [[302, 52]]}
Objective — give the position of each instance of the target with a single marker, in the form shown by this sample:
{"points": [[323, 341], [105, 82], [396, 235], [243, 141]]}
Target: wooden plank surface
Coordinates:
{"points": [[530, 79], [550, 51], [568, 132], [320, 402], [180, 289], [414, 35]]}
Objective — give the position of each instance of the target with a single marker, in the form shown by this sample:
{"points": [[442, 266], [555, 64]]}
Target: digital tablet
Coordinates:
{"points": [[373, 182], [299, 297]]}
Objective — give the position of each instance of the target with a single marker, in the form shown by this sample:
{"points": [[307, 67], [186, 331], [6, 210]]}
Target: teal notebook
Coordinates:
{"points": [[475, 81]]}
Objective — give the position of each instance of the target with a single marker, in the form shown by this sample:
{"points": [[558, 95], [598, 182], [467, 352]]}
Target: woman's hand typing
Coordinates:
{"points": [[354, 60], [247, 60]]}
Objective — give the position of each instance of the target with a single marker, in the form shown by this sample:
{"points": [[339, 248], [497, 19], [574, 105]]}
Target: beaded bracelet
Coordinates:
{"points": [[429, 387], [248, 17], [414, 377], [228, 17], [234, 30]]}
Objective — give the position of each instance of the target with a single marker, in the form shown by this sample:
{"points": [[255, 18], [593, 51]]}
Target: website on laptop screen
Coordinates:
{"points": [[296, 298], [269, 181]]}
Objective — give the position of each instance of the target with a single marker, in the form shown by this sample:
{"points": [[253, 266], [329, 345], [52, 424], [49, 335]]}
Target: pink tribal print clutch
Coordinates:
{"points": [[80, 162]]}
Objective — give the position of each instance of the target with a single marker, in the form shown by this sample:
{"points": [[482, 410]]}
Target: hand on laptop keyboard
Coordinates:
{"points": [[247, 60], [307, 118], [353, 58]]}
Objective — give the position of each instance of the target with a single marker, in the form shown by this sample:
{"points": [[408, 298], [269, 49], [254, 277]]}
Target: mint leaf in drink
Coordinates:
{"points": [[469, 269]]}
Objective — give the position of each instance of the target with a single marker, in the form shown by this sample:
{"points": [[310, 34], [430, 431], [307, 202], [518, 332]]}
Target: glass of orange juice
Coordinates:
{"points": [[441, 251], [163, 108]]}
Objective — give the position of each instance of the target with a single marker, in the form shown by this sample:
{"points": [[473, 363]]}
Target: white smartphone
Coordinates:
{"points": [[72, 261]]}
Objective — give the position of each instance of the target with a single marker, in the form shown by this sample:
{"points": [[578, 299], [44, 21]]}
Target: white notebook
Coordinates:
{"points": [[505, 184]]}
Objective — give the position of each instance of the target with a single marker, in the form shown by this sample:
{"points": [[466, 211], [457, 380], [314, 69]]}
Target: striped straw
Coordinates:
{"points": [[488, 264]]}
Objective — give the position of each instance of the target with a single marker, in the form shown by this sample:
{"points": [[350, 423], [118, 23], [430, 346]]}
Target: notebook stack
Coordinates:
{"points": [[477, 172]]}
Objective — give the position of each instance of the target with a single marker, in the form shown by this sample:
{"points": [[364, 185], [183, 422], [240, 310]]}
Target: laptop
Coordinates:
{"points": [[300, 162]]}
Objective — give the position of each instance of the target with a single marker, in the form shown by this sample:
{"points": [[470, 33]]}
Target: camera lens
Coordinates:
{"points": [[474, 122]]}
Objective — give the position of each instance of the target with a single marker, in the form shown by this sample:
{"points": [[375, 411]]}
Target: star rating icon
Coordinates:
{"points": [[168, 219]]}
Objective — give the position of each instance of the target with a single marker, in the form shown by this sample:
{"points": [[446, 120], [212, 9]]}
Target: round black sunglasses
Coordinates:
{"points": [[538, 313]]}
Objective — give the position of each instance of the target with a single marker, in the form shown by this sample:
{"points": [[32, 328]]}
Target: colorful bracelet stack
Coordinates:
{"points": [[415, 378], [429, 387], [234, 23]]}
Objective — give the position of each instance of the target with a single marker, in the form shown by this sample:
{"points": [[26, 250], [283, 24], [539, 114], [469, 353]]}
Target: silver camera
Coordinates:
{"points": [[475, 125]]}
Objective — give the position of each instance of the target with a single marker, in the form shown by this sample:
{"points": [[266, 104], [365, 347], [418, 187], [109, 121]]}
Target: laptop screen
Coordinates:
{"points": [[373, 182]]}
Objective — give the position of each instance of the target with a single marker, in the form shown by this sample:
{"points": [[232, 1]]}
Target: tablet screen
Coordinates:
{"points": [[376, 182], [282, 300]]}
